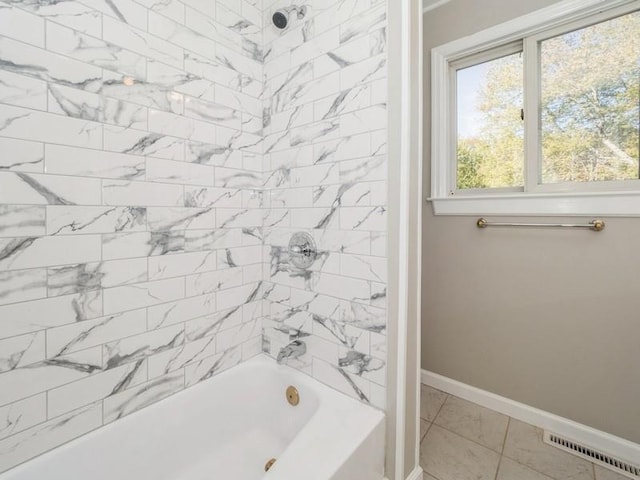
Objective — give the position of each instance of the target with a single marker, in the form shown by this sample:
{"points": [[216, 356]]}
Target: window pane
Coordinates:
{"points": [[490, 143], [589, 104]]}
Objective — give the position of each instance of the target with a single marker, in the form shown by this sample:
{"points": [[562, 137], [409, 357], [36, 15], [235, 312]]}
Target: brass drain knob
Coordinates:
{"points": [[292, 396], [269, 464]]}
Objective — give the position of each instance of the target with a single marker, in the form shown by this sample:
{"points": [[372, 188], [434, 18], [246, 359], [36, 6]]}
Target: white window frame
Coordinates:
{"points": [[616, 198]]}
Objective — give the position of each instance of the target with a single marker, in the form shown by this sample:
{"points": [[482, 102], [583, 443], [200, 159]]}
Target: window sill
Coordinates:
{"points": [[612, 204]]}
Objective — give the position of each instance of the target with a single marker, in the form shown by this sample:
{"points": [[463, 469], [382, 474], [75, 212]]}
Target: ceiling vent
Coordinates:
{"points": [[593, 455]]}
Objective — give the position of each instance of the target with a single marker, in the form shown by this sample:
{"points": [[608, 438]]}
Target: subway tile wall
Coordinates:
{"points": [[130, 207], [325, 136], [155, 157]]}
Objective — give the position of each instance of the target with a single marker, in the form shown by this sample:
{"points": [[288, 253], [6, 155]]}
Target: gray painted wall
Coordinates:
{"points": [[547, 318]]}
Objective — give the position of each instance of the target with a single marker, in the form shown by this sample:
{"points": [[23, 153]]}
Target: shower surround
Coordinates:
{"points": [[326, 167], [155, 158]]}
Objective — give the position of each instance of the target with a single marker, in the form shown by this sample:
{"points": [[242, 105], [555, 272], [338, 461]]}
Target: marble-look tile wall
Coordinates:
{"points": [[325, 128], [130, 207], [155, 157]]}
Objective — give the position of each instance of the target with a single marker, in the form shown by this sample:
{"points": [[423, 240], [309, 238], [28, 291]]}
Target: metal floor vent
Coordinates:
{"points": [[592, 455]]}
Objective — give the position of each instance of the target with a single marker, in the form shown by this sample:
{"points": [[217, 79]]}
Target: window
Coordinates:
{"points": [[589, 86], [489, 126], [540, 115]]}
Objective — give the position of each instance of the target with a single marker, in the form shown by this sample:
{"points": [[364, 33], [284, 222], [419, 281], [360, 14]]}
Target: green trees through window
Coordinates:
{"points": [[490, 127], [589, 110]]}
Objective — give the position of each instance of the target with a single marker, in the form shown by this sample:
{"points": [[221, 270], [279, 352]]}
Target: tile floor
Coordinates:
{"points": [[463, 441]]}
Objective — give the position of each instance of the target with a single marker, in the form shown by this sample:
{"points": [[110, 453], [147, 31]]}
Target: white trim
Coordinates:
{"points": [[403, 240], [597, 439], [402, 312], [612, 204], [443, 117], [416, 474], [431, 5], [416, 220], [405, 53], [532, 23], [531, 118]]}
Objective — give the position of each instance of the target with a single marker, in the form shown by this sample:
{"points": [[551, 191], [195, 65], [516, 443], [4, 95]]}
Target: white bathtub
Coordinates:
{"points": [[227, 428]]}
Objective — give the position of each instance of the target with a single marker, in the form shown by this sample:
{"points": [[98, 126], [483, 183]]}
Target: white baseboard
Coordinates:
{"points": [[416, 474], [597, 439]]}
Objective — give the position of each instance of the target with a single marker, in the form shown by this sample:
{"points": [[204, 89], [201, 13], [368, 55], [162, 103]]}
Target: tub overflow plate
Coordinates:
{"points": [[293, 397], [269, 464]]}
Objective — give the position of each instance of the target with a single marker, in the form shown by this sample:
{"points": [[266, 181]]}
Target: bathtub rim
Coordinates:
{"points": [[366, 416]]}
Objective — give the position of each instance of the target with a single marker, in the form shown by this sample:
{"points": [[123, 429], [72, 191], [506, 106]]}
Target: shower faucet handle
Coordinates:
{"points": [[302, 250], [305, 250]]}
